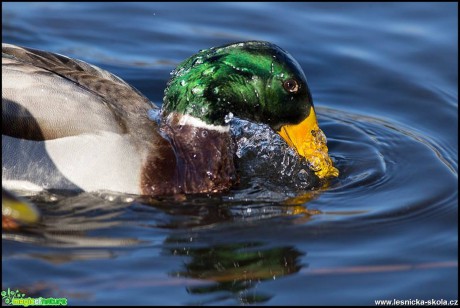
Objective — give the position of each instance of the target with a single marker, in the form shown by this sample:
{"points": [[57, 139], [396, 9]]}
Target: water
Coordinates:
{"points": [[384, 81]]}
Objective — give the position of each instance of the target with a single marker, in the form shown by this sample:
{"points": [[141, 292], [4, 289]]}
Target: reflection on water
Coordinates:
{"points": [[235, 268], [227, 271], [67, 221], [74, 220]]}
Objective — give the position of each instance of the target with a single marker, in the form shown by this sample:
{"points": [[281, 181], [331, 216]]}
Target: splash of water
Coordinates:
{"points": [[262, 153], [263, 158]]}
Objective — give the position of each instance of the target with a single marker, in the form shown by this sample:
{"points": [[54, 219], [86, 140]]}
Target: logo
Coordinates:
{"points": [[16, 298]]}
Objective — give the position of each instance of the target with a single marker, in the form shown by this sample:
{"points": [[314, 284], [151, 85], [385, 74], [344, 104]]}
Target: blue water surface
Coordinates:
{"points": [[384, 79]]}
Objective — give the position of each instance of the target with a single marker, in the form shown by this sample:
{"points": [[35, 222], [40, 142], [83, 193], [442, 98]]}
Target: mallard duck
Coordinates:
{"points": [[69, 125]]}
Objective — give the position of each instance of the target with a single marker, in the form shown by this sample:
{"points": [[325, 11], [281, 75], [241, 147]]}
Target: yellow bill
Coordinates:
{"points": [[17, 210], [310, 142]]}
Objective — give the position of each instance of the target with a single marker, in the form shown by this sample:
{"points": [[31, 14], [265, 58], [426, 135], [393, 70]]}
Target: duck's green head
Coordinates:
{"points": [[252, 80]]}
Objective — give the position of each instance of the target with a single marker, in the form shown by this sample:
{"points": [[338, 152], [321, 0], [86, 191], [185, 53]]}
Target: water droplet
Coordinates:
{"points": [[197, 61], [319, 136], [303, 176], [209, 71], [228, 117], [197, 90], [183, 83], [178, 73], [204, 134], [154, 115]]}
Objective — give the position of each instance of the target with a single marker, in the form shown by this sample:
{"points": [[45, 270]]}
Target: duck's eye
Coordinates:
{"points": [[291, 85]]}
